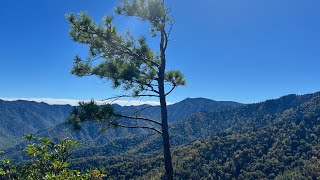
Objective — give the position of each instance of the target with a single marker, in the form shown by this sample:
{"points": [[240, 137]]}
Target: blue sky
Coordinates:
{"points": [[246, 51]]}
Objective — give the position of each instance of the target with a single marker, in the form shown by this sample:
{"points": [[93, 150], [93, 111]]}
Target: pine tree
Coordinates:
{"points": [[129, 63]]}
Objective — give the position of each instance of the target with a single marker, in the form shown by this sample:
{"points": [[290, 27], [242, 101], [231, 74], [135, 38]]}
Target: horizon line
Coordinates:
{"points": [[75, 102]]}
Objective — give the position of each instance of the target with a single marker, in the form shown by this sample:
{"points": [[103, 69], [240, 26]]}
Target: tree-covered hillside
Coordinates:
{"points": [[90, 136], [20, 117], [201, 125], [289, 148], [276, 138]]}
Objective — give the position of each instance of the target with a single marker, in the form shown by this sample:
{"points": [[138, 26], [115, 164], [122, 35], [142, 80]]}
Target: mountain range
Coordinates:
{"points": [[22, 117], [274, 139]]}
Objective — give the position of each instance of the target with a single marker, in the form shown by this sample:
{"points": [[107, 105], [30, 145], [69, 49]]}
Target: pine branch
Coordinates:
{"points": [[174, 86], [129, 51], [138, 118], [129, 96], [149, 85], [139, 127], [120, 46]]}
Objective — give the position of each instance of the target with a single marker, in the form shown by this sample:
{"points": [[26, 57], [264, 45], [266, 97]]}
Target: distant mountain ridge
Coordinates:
{"points": [[89, 134], [20, 117], [183, 108]]}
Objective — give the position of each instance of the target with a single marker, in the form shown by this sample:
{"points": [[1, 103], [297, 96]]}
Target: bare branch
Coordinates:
{"points": [[129, 96], [173, 87], [92, 59], [138, 118], [149, 85], [170, 29], [139, 127]]}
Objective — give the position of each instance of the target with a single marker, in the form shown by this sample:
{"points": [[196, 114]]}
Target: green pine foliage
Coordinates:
{"points": [[125, 60]]}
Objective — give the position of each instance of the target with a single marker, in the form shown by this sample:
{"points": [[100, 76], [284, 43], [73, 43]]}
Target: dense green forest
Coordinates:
{"points": [[275, 139], [23, 117], [286, 147]]}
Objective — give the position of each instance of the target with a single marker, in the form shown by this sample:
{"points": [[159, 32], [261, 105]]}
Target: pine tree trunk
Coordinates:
{"points": [[165, 135], [164, 119], [163, 104]]}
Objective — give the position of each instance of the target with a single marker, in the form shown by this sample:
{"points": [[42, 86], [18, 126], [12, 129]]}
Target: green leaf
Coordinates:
{"points": [[45, 141], [29, 137]]}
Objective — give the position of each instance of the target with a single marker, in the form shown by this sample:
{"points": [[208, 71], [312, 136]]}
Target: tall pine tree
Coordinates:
{"points": [[129, 63]]}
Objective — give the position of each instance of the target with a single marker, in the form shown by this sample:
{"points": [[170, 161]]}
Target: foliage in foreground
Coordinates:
{"points": [[48, 160]]}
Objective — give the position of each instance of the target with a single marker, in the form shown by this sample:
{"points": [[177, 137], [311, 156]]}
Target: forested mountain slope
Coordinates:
{"points": [[189, 106], [276, 138], [288, 147], [243, 118], [20, 117], [273, 139], [90, 134], [201, 125]]}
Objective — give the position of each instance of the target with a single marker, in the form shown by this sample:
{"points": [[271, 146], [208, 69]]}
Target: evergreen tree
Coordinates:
{"points": [[129, 63]]}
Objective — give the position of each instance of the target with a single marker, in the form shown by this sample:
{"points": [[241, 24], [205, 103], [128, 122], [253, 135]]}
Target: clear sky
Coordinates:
{"points": [[240, 50]]}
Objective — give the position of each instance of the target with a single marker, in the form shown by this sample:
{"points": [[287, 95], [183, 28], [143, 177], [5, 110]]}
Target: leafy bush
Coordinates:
{"points": [[48, 160]]}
